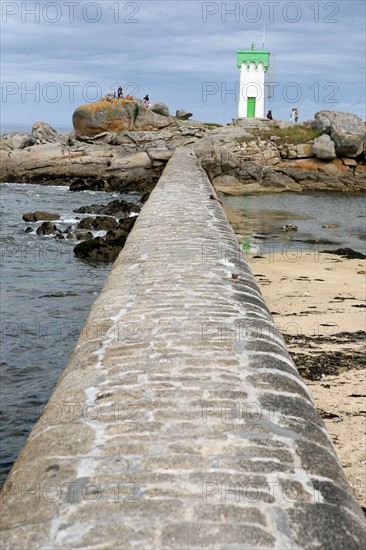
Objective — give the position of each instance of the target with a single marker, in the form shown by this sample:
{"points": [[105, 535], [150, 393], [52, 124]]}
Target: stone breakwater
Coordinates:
{"points": [[180, 420]]}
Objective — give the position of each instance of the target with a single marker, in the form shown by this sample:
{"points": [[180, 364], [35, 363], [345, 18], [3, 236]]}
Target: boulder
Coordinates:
{"points": [[47, 228], [181, 114], [83, 235], [324, 148], [96, 250], [17, 140], [160, 109], [39, 215], [118, 236], [160, 155], [118, 208], [100, 223], [346, 130], [44, 132], [116, 116], [105, 249]]}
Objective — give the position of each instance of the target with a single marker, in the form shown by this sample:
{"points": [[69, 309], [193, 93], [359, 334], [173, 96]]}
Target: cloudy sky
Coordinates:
{"points": [[57, 55]]}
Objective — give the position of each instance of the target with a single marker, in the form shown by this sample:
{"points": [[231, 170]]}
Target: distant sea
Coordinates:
{"points": [[27, 127]]}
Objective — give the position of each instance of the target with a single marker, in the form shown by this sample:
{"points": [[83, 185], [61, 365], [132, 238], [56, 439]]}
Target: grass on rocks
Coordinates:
{"points": [[293, 135], [213, 125]]}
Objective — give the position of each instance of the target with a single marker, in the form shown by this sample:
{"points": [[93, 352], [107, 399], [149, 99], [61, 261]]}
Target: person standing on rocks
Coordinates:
{"points": [[292, 115], [296, 113], [120, 92]]}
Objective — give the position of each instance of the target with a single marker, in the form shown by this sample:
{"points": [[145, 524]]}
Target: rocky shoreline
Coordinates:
{"points": [[250, 156], [246, 157]]}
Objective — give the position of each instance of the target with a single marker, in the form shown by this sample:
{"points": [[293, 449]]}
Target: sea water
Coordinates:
{"points": [[267, 214], [46, 294]]}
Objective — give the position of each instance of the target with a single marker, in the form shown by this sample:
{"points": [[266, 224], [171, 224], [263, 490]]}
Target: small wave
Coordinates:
{"points": [[59, 294], [68, 220]]}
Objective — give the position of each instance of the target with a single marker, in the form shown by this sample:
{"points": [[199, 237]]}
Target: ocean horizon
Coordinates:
{"points": [[8, 127]]}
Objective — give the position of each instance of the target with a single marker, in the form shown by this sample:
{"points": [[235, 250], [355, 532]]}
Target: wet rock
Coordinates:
{"points": [[329, 225], [82, 184], [96, 250], [118, 236], [39, 216], [143, 199], [47, 228], [117, 208], [100, 223], [83, 235], [105, 249], [289, 227]]}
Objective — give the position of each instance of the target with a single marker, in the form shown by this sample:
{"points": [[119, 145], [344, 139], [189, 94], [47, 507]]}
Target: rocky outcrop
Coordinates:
{"points": [[117, 116], [262, 158], [346, 130], [239, 159], [111, 161]]}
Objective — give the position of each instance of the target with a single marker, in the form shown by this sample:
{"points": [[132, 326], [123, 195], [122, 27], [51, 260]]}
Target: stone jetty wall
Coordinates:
{"points": [[180, 420]]}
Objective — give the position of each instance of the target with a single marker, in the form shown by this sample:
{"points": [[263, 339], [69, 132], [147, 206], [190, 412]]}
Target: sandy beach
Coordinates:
{"points": [[318, 302]]}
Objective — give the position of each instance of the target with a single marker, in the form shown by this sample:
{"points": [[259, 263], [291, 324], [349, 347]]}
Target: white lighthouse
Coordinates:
{"points": [[253, 65]]}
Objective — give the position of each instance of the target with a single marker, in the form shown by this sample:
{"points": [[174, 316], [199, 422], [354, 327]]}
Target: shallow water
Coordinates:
{"points": [[46, 294], [267, 213]]}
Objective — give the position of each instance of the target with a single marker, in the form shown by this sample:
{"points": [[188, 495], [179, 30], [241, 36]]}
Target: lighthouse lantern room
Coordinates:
{"points": [[253, 65]]}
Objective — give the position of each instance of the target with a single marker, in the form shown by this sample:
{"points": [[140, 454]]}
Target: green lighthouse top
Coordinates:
{"points": [[253, 55]]}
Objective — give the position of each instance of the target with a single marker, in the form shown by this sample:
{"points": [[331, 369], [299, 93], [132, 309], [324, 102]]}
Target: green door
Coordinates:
{"points": [[251, 107]]}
